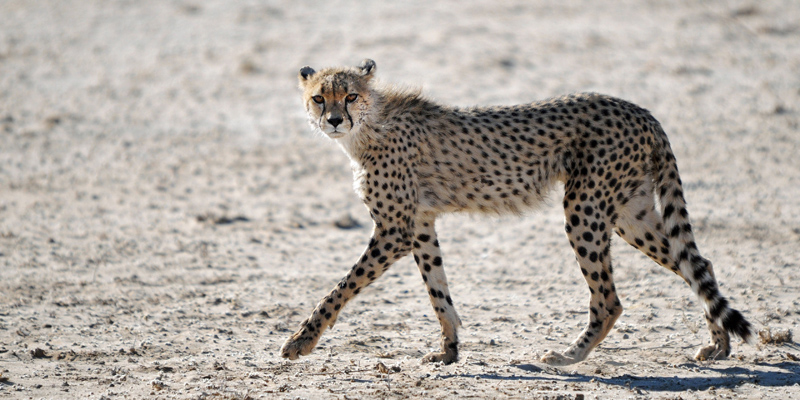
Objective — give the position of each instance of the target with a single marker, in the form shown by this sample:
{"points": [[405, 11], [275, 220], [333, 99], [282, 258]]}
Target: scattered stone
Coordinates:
{"points": [[381, 367], [158, 384], [191, 9], [249, 67], [346, 222], [52, 121], [38, 353], [221, 220], [746, 11]]}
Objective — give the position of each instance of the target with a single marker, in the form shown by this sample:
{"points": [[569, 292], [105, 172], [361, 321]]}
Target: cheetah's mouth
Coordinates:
{"points": [[335, 134]]}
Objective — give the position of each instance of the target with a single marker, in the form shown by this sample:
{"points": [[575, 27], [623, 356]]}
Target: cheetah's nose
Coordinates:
{"points": [[335, 121]]}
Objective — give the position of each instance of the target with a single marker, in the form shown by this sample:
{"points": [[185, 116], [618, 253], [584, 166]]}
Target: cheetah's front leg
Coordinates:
{"points": [[383, 250], [429, 260]]}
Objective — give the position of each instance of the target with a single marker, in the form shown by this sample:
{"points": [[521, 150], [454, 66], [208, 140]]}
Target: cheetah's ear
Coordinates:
{"points": [[367, 68], [305, 73]]}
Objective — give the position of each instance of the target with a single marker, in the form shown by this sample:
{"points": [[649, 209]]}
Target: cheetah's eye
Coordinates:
{"points": [[351, 97], [318, 99]]}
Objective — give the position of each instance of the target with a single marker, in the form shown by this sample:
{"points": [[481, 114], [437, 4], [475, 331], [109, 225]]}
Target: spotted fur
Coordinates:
{"points": [[414, 159]]}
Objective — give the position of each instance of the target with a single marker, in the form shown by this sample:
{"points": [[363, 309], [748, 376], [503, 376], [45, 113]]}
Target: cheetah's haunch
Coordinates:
{"points": [[414, 159]]}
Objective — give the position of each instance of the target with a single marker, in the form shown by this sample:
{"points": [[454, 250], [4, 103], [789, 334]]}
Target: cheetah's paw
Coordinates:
{"points": [[299, 344], [711, 352], [437, 356], [554, 358]]}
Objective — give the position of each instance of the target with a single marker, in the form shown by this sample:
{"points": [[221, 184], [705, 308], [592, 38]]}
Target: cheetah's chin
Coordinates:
{"points": [[335, 135]]}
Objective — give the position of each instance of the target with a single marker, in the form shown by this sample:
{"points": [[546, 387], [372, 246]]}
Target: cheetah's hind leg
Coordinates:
{"points": [[643, 228], [588, 232]]}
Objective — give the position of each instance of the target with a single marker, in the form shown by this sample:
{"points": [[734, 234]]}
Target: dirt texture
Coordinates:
{"points": [[168, 218]]}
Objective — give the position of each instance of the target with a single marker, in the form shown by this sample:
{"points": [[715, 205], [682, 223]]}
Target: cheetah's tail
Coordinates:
{"points": [[696, 270]]}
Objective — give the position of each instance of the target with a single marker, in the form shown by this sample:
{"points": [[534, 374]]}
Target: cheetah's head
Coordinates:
{"points": [[338, 100]]}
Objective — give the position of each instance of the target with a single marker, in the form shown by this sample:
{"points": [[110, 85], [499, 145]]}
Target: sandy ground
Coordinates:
{"points": [[167, 218]]}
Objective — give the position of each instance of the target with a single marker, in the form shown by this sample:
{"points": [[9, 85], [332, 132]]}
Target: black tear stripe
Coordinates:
{"points": [[347, 113], [322, 116]]}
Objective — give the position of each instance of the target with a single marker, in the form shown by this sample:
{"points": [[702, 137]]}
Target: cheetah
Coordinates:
{"points": [[414, 159]]}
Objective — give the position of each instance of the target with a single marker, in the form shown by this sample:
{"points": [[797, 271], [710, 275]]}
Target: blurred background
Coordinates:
{"points": [[198, 66]]}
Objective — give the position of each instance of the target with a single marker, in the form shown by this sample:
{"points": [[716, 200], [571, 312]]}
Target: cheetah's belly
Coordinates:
{"points": [[476, 193]]}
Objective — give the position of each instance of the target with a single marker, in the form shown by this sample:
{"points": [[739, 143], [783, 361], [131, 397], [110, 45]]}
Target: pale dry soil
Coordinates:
{"points": [[167, 218]]}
